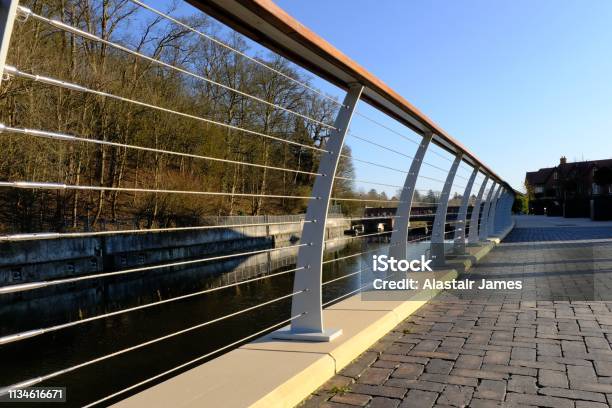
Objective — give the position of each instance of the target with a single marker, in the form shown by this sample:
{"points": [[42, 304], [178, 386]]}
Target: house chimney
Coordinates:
{"points": [[563, 160]]}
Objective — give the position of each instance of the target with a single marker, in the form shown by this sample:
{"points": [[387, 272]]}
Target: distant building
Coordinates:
{"points": [[580, 189]]}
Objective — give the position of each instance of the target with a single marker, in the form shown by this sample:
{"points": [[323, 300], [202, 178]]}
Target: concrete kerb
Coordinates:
{"points": [[274, 373]]}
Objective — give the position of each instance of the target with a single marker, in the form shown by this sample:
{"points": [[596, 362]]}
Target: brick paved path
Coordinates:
{"points": [[499, 349]]}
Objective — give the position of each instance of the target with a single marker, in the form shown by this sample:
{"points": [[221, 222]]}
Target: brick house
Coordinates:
{"points": [[580, 189]]}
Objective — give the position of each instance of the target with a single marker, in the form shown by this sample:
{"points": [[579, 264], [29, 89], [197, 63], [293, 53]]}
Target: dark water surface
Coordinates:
{"points": [[47, 353]]}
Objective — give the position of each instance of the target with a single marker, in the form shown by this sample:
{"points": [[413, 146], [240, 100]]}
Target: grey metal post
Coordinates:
{"points": [[507, 214], [491, 221], [459, 244], [8, 9], [309, 327], [437, 234], [500, 215], [484, 218], [473, 237], [399, 236]]}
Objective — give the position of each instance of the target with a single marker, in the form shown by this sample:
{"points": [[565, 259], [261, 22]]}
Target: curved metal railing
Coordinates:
{"points": [[421, 210]]}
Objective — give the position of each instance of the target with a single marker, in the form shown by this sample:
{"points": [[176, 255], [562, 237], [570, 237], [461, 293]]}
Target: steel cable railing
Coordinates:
{"points": [[37, 332], [39, 379], [37, 285], [195, 360], [314, 236], [61, 186], [74, 87], [71, 138], [55, 235], [92, 37], [234, 50]]}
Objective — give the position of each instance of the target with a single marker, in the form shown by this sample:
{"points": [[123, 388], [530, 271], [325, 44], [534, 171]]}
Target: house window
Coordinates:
{"points": [[595, 189], [538, 190], [556, 175]]}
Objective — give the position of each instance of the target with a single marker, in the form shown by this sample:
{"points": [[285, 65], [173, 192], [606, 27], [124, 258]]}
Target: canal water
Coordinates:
{"points": [[58, 350]]}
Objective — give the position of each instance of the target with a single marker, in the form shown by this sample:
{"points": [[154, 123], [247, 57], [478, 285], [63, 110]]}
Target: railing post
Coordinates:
{"points": [[473, 237], [460, 226], [399, 236], [308, 304], [500, 213], [437, 234], [484, 218], [8, 10], [492, 210]]}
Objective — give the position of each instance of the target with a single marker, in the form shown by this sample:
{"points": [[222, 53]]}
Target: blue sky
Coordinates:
{"points": [[520, 83]]}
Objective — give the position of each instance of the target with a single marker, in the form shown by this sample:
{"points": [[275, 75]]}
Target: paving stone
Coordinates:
{"points": [[337, 381], [545, 349], [589, 404], [433, 354], [597, 343], [374, 376], [385, 364], [603, 368], [419, 399], [595, 387], [437, 366], [538, 364], [581, 374], [404, 359], [489, 375], [350, 398], [382, 402], [573, 394], [449, 379], [522, 353], [538, 400], [408, 370], [510, 369], [456, 396], [482, 403], [496, 357], [359, 365], [415, 384], [427, 345], [522, 384], [491, 389], [572, 347], [552, 378], [378, 390], [468, 361]]}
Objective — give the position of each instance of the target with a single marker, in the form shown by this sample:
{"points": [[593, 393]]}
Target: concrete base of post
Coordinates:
{"points": [[326, 336]]}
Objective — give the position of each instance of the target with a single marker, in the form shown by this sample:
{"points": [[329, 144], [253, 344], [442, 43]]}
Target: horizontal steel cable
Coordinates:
{"points": [[242, 54], [61, 186], [367, 182], [346, 276], [358, 253], [36, 285], [195, 360], [54, 235], [366, 200], [399, 134], [358, 236], [36, 332], [92, 37], [382, 217], [380, 146], [373, 163], [37, 380], [354, 291], [10, 70], [386, 127], [67, 137]]}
